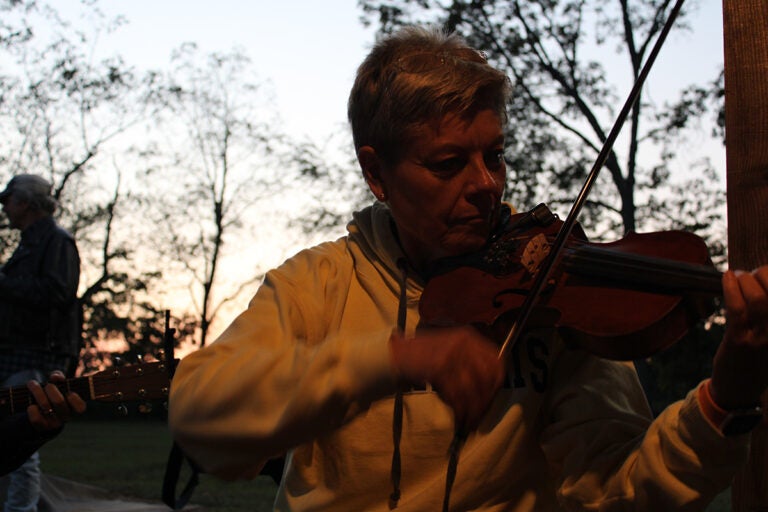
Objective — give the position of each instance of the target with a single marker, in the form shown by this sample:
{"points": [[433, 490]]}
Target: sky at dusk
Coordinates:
{"points": [[308, 51]]}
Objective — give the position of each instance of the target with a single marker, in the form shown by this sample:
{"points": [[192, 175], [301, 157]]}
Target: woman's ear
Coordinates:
{"points": [[371, 166]]}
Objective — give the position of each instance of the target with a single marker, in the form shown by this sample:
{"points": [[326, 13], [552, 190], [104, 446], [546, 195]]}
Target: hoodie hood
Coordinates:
{"points": [[376, 249]]}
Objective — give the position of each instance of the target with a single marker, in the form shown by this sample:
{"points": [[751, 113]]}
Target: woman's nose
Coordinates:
{"points": [[485, 180]]}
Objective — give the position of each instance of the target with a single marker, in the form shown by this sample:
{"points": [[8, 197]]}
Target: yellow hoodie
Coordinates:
{"points": [[305, 370]]}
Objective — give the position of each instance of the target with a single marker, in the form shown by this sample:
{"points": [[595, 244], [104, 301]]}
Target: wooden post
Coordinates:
{"points": [[746, 120]]}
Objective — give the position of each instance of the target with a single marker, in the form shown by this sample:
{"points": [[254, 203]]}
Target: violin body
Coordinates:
{"points": [[622, 300]]}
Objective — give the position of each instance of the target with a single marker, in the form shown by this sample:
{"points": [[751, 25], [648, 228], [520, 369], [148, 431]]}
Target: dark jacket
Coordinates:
{"points": [[19, 440], [38, 291]]}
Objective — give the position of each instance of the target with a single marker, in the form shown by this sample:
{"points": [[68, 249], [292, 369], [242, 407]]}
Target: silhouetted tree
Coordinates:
{"points": [[64, 116], [564, 102], [220, 132]]}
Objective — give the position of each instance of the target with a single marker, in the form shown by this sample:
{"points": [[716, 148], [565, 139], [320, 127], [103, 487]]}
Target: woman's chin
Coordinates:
{"points": [[468, 243]]}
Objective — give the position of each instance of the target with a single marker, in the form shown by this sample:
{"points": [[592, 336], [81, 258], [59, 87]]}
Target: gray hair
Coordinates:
{"points": [[32, 189], [417, 76]]}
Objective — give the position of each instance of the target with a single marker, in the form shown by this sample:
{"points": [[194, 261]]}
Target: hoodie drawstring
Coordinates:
{"points": [[397, 416]]}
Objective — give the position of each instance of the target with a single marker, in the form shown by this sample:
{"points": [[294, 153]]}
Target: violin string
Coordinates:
{"points": [[548, 265], [646, 272]]}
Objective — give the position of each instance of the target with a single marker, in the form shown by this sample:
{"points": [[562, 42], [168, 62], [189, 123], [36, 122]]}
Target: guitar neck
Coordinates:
{"points": [[138, 382], [17, 399]]}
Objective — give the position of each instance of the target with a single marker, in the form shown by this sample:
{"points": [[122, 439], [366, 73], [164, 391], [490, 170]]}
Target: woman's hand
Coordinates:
{"points": [[740, 370], [461, 364]]}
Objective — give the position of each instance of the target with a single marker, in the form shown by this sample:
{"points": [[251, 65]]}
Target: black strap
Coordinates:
{"points": [[171, 478], [273, 467], [176, 457]]}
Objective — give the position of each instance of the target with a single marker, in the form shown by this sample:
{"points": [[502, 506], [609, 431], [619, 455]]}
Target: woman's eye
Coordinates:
{"points": [[448, 165], [495, 159]]}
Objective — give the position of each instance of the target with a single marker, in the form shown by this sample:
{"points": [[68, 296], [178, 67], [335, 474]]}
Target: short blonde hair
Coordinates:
{"points": [[417, 76]]}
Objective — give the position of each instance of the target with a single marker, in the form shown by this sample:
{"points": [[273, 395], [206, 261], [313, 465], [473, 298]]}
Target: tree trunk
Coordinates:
{"points": [[746, 88]]}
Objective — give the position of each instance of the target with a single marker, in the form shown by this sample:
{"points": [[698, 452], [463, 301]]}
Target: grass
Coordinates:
{"points": [[129, 457]]}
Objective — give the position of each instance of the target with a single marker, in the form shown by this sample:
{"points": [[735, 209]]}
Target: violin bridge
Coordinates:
{"points": [[534, 253]]}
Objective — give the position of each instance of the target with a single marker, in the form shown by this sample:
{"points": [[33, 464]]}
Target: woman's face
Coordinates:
{"points": [[445, 192]]}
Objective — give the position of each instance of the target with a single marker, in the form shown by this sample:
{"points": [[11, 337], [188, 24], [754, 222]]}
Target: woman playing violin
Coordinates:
{"points": [[329, 365]]}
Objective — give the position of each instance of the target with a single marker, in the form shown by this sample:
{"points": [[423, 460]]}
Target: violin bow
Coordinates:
{"points": [[745, 31], [555, 251], [542, 275]]}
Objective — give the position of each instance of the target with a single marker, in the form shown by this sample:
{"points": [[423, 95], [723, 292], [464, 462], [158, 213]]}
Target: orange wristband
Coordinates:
{"points": [[728, 423], [713, 413]]}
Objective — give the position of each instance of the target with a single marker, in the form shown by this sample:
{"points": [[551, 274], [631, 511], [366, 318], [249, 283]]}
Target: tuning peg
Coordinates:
{"points": [[139, 358], [145, 408], [122, 410], [118, 361]]}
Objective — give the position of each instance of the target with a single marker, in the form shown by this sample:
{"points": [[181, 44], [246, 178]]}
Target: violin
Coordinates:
{"points": [[622, 300]]}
